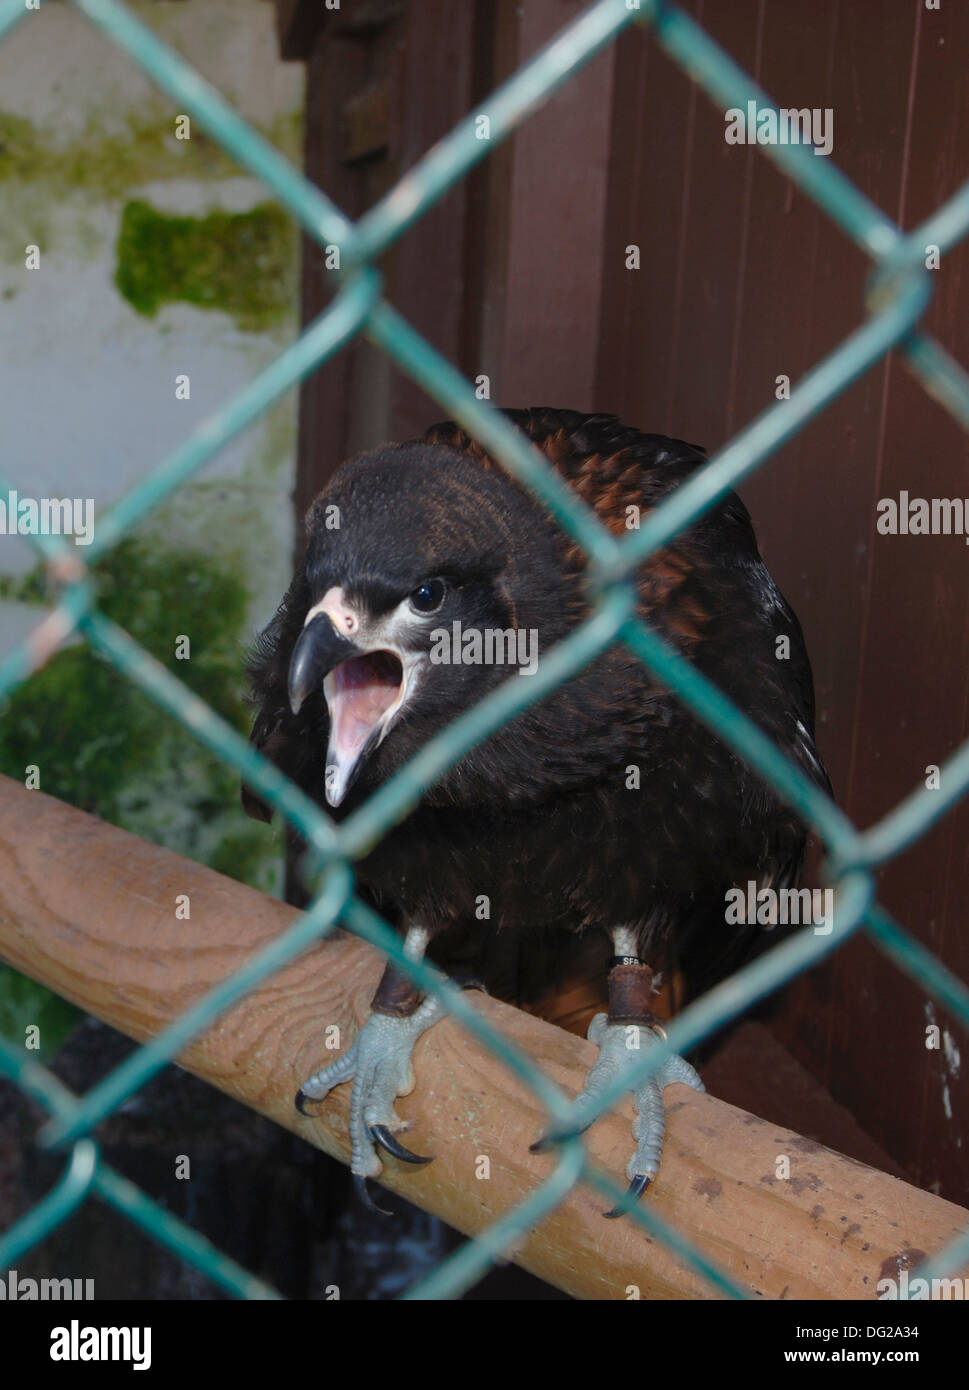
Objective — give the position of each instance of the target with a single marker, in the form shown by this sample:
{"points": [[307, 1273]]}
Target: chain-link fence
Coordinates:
{"points": [[899, 293]]}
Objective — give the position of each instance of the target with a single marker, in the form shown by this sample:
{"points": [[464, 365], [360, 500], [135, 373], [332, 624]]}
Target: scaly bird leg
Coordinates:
{"points": [[622, 1035], [378, 1062]]}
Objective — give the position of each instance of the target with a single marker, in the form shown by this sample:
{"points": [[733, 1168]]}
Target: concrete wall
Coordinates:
{"points": [[158, 258]]}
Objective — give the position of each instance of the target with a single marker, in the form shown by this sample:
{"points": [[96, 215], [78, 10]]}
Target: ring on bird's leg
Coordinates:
{"points": [[622, 1035], [396, 994], [630, 992]]}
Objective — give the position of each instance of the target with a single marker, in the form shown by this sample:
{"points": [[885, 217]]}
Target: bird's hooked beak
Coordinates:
{"points": [[319, 648], [364, 687]]}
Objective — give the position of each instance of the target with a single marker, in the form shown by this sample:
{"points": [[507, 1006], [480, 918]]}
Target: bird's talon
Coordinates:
{"points": [[382, 1135], [378, 1063], [559, 1136], [363, 1193], [469, 982], [300, 1101], [634, 1191]]}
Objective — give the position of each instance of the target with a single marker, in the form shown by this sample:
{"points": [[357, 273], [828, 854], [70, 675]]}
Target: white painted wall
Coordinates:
{"points": [[87, 385]]}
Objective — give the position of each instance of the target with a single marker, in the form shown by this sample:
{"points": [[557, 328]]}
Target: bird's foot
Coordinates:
{"points": [[378, 1062], [621, 1045]]}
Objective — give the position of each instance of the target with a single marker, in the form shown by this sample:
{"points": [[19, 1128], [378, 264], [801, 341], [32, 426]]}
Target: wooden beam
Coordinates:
{"points": [[90, 911]]}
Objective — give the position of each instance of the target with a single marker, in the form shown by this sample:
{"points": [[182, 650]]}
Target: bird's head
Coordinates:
{"points": [[411, 551]]}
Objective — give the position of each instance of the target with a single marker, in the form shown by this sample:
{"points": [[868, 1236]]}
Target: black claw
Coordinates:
{"points": [[548, 1141], [363, 1192], [381, 1135], [300, 1103], [635, 1190], [469, 982]]}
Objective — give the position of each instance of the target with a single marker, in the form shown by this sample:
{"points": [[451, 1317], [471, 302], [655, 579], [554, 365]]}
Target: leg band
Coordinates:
{"points": [[631, 994], [396, 994]]}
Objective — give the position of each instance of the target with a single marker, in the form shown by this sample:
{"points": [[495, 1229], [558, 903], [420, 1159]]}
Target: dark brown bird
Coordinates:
{"points": [[429, 578]]}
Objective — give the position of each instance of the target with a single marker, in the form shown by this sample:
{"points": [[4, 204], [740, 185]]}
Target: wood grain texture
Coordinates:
{"points": [[90, 910], [743, 279]]}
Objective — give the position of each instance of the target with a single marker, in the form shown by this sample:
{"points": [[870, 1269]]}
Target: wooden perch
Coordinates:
{"points": [[90, 911]]}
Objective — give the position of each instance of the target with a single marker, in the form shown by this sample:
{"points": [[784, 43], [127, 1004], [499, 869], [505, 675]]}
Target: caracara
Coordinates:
{"points": [[430, 577]]}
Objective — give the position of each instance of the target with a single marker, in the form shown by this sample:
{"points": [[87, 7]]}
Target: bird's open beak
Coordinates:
{"points": [[319, 649], [363, 694], [363, 691]]}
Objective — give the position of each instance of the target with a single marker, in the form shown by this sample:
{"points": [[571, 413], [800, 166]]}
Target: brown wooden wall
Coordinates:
{"points": [[520, 274]]}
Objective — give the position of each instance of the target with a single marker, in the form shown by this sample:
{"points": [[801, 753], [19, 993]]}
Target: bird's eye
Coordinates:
{"points": [[428, 597]]}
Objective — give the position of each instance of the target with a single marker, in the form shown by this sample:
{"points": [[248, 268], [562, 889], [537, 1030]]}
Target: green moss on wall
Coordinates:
{"points": [[19, 147], [100, 743], [108, 164], [104, 746], [241, 263]]}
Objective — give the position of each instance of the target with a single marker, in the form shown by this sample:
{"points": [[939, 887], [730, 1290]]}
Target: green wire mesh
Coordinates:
{"points": [[899, 293]]}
